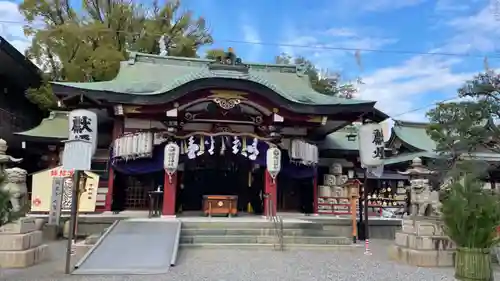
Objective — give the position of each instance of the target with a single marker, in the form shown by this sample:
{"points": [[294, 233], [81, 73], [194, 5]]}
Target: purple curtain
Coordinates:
{"points": [[143, 165]]}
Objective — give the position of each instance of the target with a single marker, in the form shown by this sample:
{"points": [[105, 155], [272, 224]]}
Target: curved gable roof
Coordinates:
{"points": [[414, 134], [146, 75]]}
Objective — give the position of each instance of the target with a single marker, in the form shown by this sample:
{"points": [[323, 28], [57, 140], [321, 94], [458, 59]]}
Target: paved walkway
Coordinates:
{"points": [[243, 265]]}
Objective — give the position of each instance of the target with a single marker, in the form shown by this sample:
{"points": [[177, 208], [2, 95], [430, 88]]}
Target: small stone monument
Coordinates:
{"points": [[20, 241], [422, 242]]}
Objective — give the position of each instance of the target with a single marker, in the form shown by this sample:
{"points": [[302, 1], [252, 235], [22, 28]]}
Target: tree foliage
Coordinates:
{"points": [[325, 83], [84, 41], [469, 125], [470, 213], [215, 53]]}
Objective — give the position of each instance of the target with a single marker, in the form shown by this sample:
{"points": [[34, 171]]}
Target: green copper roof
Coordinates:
{"points": [[147, 75], [338, 141], [414, 134], [54, 127]]}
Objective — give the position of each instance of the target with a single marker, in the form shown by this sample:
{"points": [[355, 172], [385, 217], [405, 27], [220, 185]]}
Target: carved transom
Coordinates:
{"points": [[227, 104]]}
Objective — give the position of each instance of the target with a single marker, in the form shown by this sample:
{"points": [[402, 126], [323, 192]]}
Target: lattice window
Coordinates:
{"points": [[137, 194]]}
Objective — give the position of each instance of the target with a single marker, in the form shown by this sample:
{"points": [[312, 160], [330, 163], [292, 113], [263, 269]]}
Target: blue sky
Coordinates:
{"points": [[404, 83]]}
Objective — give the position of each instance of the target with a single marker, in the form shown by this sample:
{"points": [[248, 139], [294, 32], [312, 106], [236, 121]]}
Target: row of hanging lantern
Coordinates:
{"points": [[133, 146], [304, 153]]}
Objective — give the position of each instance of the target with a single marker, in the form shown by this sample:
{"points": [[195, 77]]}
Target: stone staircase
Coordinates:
{"points": [[237, 234]]}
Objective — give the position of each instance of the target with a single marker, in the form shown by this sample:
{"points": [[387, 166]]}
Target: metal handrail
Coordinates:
{"points": [[277, 223]]}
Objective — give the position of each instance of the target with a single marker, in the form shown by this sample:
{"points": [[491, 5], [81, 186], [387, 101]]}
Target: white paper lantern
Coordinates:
{"points": [[171, 159], [83, 125], [116, 148], [128, 146], [273, 160], [371, 145], [140, 144], [135, 145], [122, 148], [148, 143]]}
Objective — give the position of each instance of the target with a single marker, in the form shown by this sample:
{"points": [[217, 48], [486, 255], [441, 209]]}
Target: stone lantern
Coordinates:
{"points": [[421, 196]]}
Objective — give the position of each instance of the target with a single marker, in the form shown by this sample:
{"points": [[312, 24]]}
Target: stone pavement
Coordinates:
{"points": [[262, 265]]}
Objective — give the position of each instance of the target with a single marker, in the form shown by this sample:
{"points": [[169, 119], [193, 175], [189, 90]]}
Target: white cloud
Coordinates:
{"points": [[396, 89], [327, 48], [384, 5], [478, 32], [350, 8], [12, 27], [453, 5], [252, 36]]}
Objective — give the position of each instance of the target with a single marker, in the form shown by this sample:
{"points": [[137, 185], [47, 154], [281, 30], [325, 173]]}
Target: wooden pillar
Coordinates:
{"points": [[270, 188], [117, 131], [169, 194], [315, 191]]}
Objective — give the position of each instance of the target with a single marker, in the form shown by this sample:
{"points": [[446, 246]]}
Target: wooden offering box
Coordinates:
{"points": [[220, 205]]}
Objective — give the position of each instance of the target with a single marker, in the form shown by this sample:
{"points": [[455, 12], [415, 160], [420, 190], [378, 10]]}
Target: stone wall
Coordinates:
{"points": [[21, 244]]}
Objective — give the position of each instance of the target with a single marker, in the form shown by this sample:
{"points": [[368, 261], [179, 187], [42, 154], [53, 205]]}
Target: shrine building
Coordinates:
{"points": [[224, 115]]}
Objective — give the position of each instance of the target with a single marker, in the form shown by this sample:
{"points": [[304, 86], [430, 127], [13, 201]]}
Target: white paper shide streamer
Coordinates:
{"points": [[171, 160], [273, 161]]}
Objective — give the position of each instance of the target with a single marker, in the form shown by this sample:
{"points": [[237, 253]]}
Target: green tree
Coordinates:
{"points": [[465, 126], [215, 53], [325, 83], [84, 41]]}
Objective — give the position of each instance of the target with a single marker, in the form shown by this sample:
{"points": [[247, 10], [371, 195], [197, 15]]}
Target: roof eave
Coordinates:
{"points": [[62, 90], [34, 72]]}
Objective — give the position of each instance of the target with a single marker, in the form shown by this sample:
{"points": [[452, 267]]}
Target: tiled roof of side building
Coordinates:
{"points": [[414, 134]]}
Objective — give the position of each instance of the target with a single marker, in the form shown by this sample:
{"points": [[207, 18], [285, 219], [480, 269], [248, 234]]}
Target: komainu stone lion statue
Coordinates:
{"points": [[15, 184], [424, 202]]}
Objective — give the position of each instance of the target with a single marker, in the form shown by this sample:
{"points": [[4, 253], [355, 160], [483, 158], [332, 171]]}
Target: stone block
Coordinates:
{"points": [[20, 226], [402, 239], [25, 258], [19, 242], [422, 227], [422, 258], [428, 228], [435, 243], [50, 232], [17, 259], [41, 253]]}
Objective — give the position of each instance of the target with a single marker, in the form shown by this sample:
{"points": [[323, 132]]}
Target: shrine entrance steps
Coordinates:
{"points": [[259, 233], [133, 246]]}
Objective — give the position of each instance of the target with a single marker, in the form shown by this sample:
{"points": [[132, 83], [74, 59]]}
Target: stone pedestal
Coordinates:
{"points": [[423, 243], [21, 244]]}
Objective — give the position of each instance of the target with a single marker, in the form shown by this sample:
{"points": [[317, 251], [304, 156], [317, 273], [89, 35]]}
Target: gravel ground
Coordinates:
{"points": [[262, 265]]}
